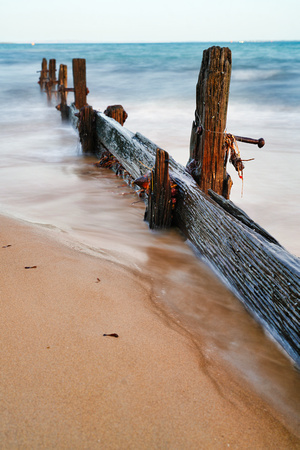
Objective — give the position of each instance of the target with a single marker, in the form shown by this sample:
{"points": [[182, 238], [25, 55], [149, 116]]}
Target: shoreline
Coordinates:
{"points": [[66, 385]]}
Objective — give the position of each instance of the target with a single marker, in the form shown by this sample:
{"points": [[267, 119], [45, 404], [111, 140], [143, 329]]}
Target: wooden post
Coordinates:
{"points": [[51, 79], [79, 78], [159, 212], [207, 163], [63, 81], [62, 89], [117, 112], [87, 129], [52, 69], [263, 274], [43, 75]]}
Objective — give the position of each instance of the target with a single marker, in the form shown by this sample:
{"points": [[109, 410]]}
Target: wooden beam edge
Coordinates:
{"points": [[261, 273]]}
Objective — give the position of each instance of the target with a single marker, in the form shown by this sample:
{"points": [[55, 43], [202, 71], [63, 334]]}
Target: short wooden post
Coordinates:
{"points": [[159, 212], [207, 163], [117, 112], [86, 129], [62, 89], [51, 79], [43, 75], [79, 78]]}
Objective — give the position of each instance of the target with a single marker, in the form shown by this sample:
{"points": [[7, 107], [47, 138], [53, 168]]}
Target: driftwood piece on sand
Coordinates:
{"points": [[261, 273]]}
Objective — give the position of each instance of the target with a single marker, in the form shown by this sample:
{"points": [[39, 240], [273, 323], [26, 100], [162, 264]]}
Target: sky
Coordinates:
{"points": [[148, 21]]}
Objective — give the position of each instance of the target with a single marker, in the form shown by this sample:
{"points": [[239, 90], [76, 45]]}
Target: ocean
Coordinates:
{"points": [[44, 178], [155, 83]]}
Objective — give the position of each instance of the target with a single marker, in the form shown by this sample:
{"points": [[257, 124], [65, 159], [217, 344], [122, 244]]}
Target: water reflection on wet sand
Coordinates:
{"points": [[101, 215]]}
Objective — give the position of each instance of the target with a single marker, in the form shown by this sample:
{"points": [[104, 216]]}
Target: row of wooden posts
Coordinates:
{"points": [[257, 268], [210, 147], [59, 87], [159, 211]]}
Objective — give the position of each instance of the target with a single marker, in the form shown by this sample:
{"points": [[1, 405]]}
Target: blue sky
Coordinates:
{"points": [[151, 21]]}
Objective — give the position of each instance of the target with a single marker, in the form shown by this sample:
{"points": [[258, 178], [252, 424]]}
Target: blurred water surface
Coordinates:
{"points": [[44, 178]]}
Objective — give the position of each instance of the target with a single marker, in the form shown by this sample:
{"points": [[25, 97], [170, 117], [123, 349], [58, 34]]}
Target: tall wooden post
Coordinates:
{"points": [[79, 78], [62, 89], [52, 69], [43, 75], [63, 81], [207, 162], [51, 79], [159, 212]]}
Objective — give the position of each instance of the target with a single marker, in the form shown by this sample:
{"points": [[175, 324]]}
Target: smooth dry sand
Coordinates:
{"points": [[65, 385]]}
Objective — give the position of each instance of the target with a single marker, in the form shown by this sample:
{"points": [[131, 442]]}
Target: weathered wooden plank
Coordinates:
{"points": [[262, 274], [239, 214]]}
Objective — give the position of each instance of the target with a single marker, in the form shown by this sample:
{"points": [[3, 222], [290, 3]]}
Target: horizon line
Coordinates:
{"points": [[241, 41]]}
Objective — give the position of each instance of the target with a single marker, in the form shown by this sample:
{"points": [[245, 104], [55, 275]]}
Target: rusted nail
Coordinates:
{"points": [[259, 142]]}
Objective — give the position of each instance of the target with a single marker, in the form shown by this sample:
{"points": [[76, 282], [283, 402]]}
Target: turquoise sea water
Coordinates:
{"points": [[44, 178], [156, 85]]}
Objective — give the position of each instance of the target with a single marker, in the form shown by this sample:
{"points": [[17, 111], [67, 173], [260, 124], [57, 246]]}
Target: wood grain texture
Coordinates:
{"points": [[207, 150], [63, 85], [159, 210], [79, 78], [86, 129], [51, 80], [116, 112], [44, 74], [261, 273]]}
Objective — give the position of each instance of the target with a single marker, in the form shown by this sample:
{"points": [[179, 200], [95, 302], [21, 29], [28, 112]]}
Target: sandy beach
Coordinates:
{"points": [[66, 385]]}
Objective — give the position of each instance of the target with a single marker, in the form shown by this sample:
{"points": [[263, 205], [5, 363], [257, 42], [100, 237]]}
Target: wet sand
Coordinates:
{"points": [[65, 385]]}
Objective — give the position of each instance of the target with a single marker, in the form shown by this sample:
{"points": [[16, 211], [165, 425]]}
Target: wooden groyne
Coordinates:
{"points": [[261, 273]]}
